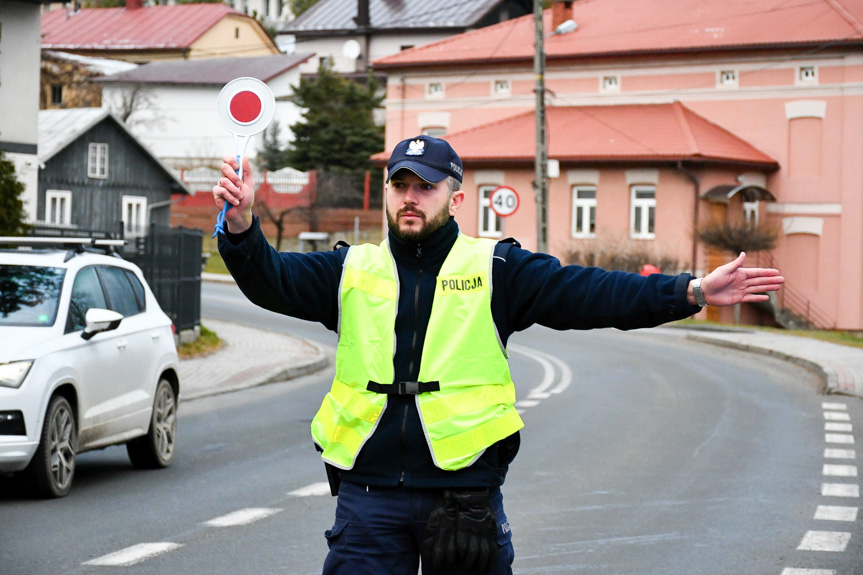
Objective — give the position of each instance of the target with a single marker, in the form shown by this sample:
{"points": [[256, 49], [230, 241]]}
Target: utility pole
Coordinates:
{"points": [[540, 183]]}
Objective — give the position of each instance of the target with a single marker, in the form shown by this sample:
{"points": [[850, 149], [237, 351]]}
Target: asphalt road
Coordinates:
{"points": [[643, 453]]}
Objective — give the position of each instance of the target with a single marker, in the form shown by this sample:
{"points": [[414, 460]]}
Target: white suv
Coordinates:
{"points": [[87, 360]]}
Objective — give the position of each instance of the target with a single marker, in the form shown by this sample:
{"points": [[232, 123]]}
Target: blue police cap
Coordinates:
{"points": [[429, 158]]}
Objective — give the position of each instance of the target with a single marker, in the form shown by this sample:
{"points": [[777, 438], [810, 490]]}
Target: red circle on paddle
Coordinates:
{"points": [[245, 107]]}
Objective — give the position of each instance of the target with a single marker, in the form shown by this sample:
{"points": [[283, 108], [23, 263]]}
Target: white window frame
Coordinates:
{"points": [[806, 76], [501, 88], [609, 83], [490, 224], [434, 131], [97, 161], [58, 207], [642, 207], [727, 78], [584, 205], [750, 213], [135, 209], [435, 90]]}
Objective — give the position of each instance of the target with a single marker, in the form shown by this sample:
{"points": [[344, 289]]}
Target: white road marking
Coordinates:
{"points": [[541, 390], [544, 390], [835, 513], [526, 403], [790, 571], [315, 489], [836, 416], [839, 438], [837, 406], [840, 453], [846, 427], [840, 470], [241, 517], [840, 490], [824, 541], [134, 554]]}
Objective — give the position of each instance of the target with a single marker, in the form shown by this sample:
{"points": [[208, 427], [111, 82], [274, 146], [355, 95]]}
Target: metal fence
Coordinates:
{"points": [[171, 261]]}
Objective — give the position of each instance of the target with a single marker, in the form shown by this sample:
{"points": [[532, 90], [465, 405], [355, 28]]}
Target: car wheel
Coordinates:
{"points": [[52, 468], [156, 449]]}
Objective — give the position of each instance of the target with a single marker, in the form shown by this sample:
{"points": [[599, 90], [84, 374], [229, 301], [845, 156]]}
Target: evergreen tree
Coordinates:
{"points": [[272, 156], [337, 132], [299, 6], [12, 215]]}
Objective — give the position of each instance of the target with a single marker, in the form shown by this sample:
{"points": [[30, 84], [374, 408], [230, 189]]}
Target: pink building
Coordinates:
{"points": [[659, 111]]}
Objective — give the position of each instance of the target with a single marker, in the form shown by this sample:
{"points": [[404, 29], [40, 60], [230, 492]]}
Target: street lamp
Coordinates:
{"points": [[540, 183]]}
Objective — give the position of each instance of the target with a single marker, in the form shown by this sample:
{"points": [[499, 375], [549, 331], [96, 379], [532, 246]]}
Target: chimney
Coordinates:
{"points": [[363, 20], [134, 4], [561, 11]]}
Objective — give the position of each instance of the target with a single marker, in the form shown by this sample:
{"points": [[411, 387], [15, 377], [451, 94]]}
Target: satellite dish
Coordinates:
{"points": [[351, 49]]}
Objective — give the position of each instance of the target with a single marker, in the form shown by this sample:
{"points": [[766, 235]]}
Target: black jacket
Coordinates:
{"points": [[528, 288]]}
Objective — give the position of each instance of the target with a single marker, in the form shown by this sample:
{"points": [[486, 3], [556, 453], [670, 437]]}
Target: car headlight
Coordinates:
{"points": [[13, 374]]}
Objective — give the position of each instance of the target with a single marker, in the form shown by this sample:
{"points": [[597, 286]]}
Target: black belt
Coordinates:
{"points": [[403, 387]]}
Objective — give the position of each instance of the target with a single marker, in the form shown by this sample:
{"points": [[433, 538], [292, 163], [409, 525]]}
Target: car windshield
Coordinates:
{"points": [[29, 295]]}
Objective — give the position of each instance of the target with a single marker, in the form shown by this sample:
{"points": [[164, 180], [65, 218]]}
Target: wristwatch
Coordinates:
{"points": [[698, 293]]}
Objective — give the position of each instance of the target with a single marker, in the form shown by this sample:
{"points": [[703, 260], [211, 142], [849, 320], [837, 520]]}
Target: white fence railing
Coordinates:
{"points": [[284, 181]]}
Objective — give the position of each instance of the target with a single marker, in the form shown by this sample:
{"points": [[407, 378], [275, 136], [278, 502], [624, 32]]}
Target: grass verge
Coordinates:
{"points": [[207, 343]]}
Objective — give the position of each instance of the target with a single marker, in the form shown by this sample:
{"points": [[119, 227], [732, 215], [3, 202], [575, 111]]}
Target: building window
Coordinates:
{"points": [[489, 222], [434, 90], [610, 84], [236, 32], [583, 211], [58, 207], [434, 131], [134, 216], [807, 75], [750, 213], [97, 161], [727, 79], [56, 94], [501, 88], [643, 212]]}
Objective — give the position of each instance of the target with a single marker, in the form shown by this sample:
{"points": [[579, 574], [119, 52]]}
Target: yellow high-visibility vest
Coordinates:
{"points": [[474, 407]]}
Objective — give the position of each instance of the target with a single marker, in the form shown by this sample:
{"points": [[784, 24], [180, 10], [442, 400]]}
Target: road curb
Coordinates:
{"points": [[276, 375], [827, 374]]}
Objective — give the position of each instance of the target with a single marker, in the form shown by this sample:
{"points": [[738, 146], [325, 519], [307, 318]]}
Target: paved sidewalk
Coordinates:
{"points": [[840, 367], [249, 357]]}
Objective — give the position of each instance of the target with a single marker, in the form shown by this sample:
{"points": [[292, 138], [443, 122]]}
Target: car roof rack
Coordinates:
{"points": [[73, 245]]}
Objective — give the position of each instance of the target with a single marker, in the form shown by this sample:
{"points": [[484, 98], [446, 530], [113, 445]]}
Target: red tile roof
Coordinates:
{"points": [[614, 27], [624, 133], [152, 28]]}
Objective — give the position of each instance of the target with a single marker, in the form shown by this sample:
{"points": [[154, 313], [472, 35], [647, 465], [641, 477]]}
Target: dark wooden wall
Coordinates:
{"points": [[97, 203]]}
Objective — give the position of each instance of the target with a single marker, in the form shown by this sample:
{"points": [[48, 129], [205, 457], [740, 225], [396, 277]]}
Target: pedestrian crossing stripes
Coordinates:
{"points": [[838, 430], [832, 541], [835, 513]]}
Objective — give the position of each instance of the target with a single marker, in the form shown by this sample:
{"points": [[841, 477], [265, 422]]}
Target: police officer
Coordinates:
{"points": [[419, 427]]}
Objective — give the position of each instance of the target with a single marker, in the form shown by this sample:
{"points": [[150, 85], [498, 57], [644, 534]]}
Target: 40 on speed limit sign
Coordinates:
{"points": [[504, 201]]}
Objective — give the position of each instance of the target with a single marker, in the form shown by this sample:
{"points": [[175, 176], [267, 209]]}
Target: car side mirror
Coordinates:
{"points": [[99, 320]]}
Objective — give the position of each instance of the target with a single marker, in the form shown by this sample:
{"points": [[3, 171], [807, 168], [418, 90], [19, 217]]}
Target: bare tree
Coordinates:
{"points": [[135, 105]]}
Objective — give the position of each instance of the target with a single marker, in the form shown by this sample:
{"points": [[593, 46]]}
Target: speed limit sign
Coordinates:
{"points": [[504, 201]]}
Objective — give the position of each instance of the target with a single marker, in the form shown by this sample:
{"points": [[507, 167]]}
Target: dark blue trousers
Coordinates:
{"points": [[381, 532]]}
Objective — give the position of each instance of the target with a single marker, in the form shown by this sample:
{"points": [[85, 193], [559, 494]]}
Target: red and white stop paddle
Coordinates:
{"points": [[245, 107]]}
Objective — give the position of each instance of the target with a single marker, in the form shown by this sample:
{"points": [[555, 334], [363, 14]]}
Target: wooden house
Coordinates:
{"points": [[95, 174]]}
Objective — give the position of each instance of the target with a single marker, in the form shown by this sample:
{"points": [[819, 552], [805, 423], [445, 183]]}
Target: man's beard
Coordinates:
{"points": [[429, 226]]}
